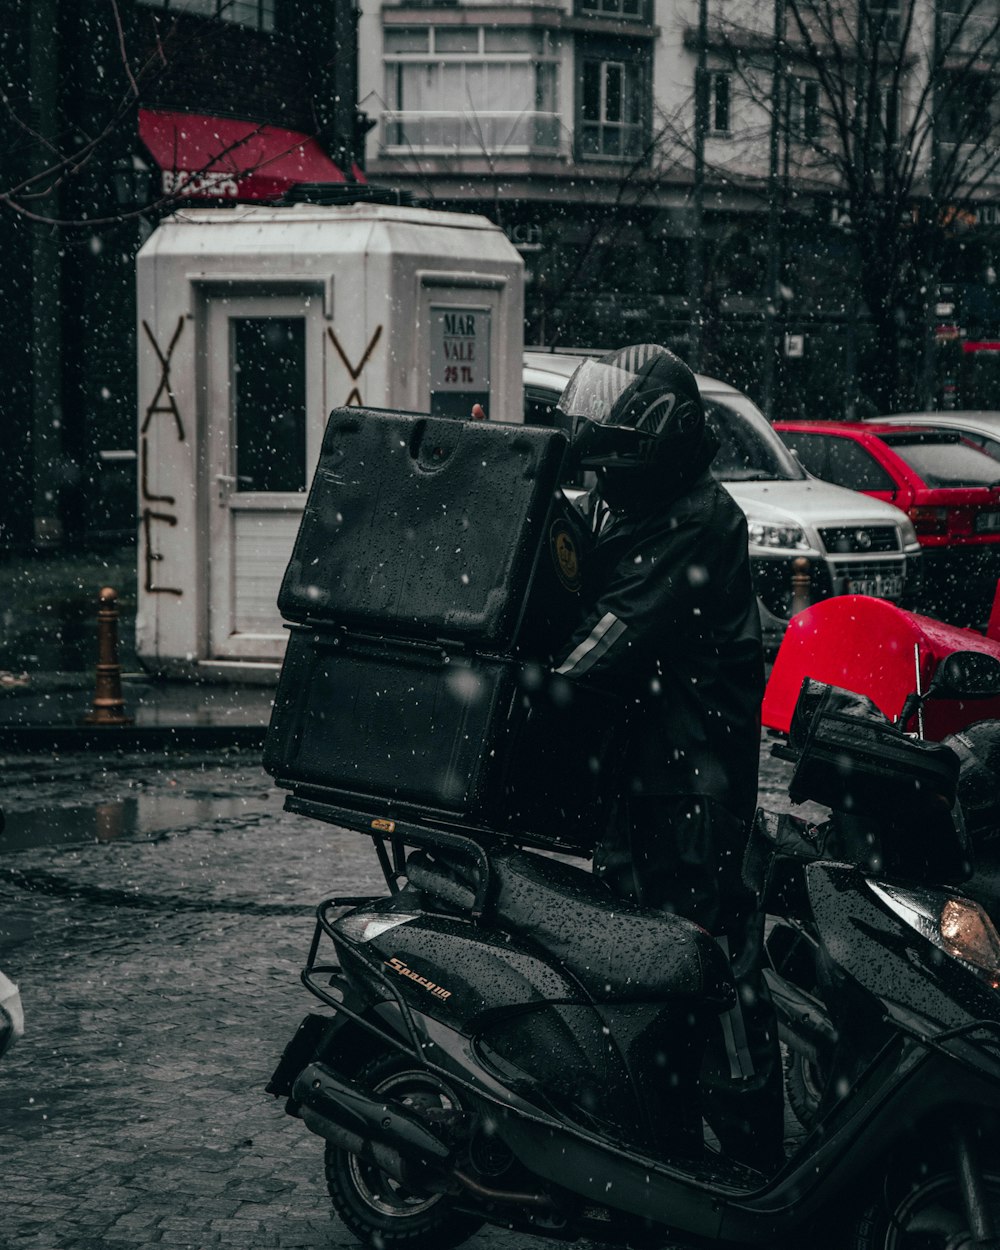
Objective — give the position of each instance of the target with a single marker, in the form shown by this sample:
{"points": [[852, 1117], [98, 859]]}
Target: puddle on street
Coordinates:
{"points": [[142, 816]]}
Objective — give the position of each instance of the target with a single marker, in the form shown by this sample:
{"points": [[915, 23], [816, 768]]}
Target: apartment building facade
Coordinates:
{"points": [[712, 220]]}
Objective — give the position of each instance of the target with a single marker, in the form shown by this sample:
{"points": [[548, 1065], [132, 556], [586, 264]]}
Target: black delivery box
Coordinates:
{"points": [[436, 567], [428, 733], [427, 528]]}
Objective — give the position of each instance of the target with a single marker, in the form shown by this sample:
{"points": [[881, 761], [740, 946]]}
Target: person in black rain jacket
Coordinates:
{"points": [[671, 625]]}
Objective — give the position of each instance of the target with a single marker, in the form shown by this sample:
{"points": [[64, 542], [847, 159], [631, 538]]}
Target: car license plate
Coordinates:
{"points": [[883, 586], [987, 522]]}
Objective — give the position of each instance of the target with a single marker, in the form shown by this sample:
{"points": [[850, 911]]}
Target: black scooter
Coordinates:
{"points": [[794, 954], [505, 1043]]}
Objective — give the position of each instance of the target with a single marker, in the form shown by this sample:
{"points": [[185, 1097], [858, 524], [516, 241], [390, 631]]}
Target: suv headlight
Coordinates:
{"points": [[907, 533], [779, 537]]}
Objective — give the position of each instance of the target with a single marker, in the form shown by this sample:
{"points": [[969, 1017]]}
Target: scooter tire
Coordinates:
{"points": [[376, 1208], [919, 1208], [804, 1086]]}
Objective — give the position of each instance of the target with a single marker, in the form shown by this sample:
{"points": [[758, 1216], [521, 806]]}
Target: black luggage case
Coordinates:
{"points": [[427, 528], [437, 565], [428, 733]]}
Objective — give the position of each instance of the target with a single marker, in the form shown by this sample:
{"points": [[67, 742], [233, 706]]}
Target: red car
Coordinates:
{"points": [[948, 487]]}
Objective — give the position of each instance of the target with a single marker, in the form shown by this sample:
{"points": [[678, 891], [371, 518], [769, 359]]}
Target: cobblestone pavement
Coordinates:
{"points": [[158, 958]]}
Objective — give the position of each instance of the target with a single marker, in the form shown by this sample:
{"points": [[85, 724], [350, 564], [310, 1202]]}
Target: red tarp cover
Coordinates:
{"points": [[868, 645], [216, 157]]}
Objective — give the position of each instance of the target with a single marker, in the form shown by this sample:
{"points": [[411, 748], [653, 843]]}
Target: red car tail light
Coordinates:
{"points": [[929, 520]]}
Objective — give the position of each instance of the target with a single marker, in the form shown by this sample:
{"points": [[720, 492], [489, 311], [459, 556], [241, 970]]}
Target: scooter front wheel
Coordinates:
{"points": [[925, 1213], [375, 1206], [804, 1082]]}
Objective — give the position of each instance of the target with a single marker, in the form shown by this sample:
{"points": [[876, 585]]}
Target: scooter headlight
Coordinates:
{"points": [[968, 933], [957, 926]]}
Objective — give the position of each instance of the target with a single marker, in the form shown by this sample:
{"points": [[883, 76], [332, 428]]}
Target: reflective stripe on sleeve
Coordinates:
{"points": [[598, 642]]}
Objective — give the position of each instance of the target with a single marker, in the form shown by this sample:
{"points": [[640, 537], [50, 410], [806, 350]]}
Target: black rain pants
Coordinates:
{"points": [[684, 854]]}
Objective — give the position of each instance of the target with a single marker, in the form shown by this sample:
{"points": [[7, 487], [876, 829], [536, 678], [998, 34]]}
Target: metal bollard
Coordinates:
{"points": [[108, 703], [801, 585]]}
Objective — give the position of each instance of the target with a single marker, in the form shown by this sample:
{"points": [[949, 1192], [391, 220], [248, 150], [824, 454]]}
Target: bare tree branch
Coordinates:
{"points": [[908, 129], [122, 49]]}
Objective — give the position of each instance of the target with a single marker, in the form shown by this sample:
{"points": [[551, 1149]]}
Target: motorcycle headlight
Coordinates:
{"points": [[957, 926], [779, 537]]}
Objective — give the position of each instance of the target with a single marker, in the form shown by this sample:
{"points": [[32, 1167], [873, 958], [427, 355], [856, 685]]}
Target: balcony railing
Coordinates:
{"points": [[611, 139], [964, 34], [473, 134]]}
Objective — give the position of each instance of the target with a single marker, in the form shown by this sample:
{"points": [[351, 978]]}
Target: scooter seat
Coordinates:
{"points": [[616, 950]]}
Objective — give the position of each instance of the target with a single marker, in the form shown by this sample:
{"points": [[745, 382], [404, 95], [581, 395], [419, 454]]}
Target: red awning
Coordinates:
{"points": [[216, 157]]}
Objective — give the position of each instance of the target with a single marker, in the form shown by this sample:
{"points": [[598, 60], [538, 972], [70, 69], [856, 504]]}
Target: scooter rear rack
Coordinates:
{"points": [[391, 837], [357, 812]]}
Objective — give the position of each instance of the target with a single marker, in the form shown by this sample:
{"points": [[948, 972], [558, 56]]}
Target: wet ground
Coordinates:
{"points": [[156, 912], [129, 797]]}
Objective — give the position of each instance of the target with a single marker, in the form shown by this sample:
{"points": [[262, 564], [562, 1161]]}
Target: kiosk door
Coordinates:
{"points": [[263, 370]]}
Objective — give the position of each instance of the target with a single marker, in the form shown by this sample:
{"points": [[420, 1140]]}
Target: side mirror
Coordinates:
{"points": [[966, 675]]}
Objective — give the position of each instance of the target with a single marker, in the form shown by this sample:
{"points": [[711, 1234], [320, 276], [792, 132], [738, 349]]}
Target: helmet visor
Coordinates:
{"points": [[593, 391]]}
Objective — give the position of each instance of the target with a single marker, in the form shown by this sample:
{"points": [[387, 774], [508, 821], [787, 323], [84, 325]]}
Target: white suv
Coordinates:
{"points": [[853, 544]]}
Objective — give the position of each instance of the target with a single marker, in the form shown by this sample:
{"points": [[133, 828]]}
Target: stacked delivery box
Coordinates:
{"points": [[436, 568]]}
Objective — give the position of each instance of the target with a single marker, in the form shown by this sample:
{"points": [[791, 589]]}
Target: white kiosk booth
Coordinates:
{"points": [[255, 322]]}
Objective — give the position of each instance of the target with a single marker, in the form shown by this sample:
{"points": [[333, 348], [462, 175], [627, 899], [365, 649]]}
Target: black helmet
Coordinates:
{"points": [[978, 749], [638, 412]]}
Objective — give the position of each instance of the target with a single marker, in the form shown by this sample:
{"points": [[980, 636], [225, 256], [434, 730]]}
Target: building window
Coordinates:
{"points": [[884, 19], [631, 10], [258, 14], [886, 126], [968, 26], [966, 102], [803, 110], [611, 106], [720, 103], [471, 89]]}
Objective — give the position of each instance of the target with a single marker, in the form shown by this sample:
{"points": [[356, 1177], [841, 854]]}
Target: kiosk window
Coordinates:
{"points": [[269, 403]]}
